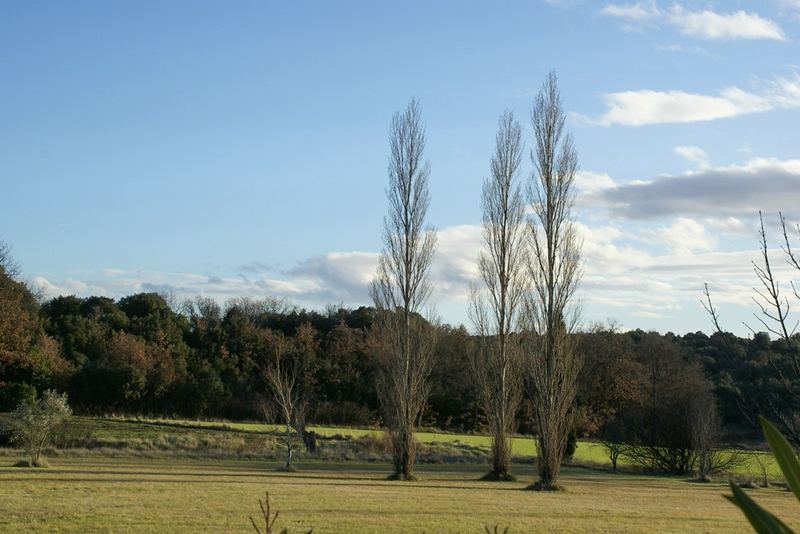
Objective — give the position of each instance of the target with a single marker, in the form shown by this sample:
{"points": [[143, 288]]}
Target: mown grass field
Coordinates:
{"points": [[143, 475], [179, 495]]}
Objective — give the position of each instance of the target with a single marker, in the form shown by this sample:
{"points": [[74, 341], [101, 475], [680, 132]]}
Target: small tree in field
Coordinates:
{"points": [[283, 371], [32, 425]]}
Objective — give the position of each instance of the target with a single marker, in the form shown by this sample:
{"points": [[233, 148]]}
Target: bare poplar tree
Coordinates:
{"points": [[494, 309], [402, 288], [550, 313]]}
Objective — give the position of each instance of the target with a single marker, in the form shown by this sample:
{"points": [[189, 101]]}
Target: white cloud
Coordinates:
{"points": [[706, 24], [685, 236], [455, 265], [727, 225], [711, 25], [692, 154], [644, 106], [589, 182]]}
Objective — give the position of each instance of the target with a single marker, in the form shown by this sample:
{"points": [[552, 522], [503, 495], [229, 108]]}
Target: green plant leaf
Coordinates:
{"points": [[784, 455], [763, 522]]}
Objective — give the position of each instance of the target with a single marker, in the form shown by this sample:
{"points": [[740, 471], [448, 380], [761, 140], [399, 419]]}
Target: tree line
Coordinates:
{"points": [[139, 355]]}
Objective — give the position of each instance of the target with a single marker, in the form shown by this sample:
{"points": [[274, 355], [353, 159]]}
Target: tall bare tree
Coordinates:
{"points": [[494, 309], [550, 312], [402, 288]]}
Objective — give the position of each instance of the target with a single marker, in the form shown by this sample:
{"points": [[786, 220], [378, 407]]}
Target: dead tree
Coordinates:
{"points": [[401, 289], [550, 313], [495, 308]]}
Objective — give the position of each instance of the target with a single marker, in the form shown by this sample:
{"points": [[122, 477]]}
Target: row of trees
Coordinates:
{"points": [[524, 314]]}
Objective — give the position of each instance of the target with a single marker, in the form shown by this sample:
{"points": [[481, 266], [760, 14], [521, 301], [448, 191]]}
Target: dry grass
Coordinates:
{"points": [[134, 495]]}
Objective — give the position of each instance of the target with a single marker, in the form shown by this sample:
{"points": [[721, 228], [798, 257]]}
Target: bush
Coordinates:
{"points": [[33, 425]]}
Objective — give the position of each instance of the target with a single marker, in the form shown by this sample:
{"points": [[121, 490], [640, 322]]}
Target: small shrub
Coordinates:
{"points": [[375, 444], [32, 425]]}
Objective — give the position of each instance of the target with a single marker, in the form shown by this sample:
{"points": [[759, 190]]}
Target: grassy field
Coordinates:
{"points": [[140, 475], [156, 495], [588, 452]]}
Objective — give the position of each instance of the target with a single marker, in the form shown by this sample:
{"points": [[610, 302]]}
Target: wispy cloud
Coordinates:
{"points": [[706, 24], [640, 11], [642, 107], [692, 154]]}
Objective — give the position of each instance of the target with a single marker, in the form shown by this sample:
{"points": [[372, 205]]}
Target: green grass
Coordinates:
{"points": [[135, 495], [147, 475], [151, 437], [588, 452]]}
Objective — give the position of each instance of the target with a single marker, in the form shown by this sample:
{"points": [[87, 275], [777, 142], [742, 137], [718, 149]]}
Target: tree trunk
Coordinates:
{"points": [[404, 456], [549, 465], [501, 454]]}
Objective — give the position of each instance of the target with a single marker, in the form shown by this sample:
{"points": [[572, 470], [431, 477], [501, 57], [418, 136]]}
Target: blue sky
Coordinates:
{"points": [[231, 148]]}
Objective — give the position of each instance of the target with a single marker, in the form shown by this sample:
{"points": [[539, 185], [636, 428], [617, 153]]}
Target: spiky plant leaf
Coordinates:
{"points": [[784, 455], [763, 522]]}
